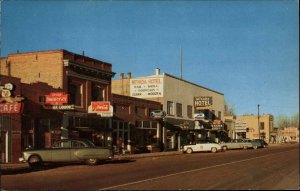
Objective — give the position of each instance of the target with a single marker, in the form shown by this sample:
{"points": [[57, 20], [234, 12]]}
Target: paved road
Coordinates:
{"points": [[270, 168]]}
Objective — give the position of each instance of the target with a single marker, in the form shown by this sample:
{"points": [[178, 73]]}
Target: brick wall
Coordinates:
{"points": [[35, 67]]}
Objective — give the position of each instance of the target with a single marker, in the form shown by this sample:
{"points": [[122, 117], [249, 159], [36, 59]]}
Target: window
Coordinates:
{"points": [[179, 109], [170, 108], [75, 93], [219, 114], [190, 111], [262, 125], [76, 144], [98, 92]]}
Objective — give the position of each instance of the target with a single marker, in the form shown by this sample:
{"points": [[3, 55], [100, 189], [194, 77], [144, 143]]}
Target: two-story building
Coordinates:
{"points": [[254, 126], [181, 100], [63, 95]]}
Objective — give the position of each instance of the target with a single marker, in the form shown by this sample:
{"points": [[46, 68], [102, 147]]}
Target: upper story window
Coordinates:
{"points": [[98, 92], [262, 125], [190, 111], [75, 93], [179, 109], [219, 115], [170, 108]]}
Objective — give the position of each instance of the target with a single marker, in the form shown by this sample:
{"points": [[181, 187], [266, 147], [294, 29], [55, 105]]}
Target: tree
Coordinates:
{"points": [[229, 108], [283, 121]]}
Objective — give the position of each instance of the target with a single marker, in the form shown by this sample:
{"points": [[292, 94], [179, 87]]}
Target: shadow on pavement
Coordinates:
{"points": [[27, 169]]}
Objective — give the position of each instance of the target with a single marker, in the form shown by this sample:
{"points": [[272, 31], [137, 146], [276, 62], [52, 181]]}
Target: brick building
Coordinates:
{"points": [[59, 74], [133, 124]]}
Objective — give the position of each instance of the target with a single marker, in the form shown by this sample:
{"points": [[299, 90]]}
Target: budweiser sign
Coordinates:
{"points": [[56, 98]]}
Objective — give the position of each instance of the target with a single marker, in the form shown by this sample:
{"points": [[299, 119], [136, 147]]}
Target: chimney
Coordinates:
{"points": [[157, 71], [128, 75], [121, 76]]}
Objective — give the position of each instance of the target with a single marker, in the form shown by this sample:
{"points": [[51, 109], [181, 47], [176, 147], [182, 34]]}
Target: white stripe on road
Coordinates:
{"points": [[189, 171]]}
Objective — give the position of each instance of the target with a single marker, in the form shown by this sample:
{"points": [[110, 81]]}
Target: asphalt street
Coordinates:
{"points": [[268, 168]]}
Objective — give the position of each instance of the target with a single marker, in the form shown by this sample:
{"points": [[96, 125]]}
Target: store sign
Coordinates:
{"points": [[203, 102], [56, 98], [199, 116], [146, 87], [102, 108], [59, 107], [10, 108]]}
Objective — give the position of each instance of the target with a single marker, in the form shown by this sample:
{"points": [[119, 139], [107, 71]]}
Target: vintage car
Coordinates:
{"points": [[67, 150], [256, 143], [236, 144], [202, 145]]}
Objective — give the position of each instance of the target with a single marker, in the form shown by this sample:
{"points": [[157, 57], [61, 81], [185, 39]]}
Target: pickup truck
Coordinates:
{"points": [[236, 144]]}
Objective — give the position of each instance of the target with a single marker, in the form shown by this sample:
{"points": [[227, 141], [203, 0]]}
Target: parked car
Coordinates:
{"points": [[203, 145], [263, 143], [236, 144], [67, 150], [257, 143]]}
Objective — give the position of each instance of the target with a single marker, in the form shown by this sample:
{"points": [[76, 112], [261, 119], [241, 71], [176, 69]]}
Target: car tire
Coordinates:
{"points": [[214, 150], [189, 151], [255, 147], [91, 162], [35, 161]]}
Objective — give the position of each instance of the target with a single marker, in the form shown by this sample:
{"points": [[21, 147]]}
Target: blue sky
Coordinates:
{"points": [[247, 50]]}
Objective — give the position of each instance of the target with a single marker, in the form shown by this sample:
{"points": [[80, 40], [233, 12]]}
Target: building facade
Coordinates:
{"points": [[65, 95], [254, 127], [181, 101], [133, 128]]}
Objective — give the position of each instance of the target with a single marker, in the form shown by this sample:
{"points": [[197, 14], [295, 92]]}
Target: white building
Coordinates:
{"points": [[181, 99]]}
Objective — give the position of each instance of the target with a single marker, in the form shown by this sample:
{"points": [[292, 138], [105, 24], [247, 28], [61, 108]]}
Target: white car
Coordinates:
{"points": [[202, 145]]}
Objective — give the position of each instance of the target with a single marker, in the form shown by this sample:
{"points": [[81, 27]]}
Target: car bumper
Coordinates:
{"points": [[21, 159]]}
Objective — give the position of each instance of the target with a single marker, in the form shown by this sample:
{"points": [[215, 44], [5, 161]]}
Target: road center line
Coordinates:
{"points": [[189, 171]]}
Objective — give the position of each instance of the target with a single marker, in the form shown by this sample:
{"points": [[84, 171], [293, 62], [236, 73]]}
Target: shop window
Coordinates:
{"points": [[75, 93], [179, 109], [98, 92], [170, 108], [190, 111]]}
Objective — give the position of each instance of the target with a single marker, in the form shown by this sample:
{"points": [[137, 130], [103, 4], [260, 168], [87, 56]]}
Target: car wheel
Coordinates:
{"points": [[224, 148], [91, 162], [35, 161], [189, 151], [255, 147], [214, 150]]}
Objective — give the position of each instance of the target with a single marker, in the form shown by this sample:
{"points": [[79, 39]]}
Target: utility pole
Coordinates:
{"points": [[180, 63], [258, 121]]}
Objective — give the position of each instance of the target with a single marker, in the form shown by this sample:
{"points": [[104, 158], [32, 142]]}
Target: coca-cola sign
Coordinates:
{"points": [[100, 106]]}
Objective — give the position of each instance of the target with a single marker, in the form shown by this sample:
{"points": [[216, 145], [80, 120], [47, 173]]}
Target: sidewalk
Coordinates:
{"points": [[4, 167]]}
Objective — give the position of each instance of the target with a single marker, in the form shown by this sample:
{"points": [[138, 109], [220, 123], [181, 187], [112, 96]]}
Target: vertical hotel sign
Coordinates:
{"points": [[146, 87]]}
